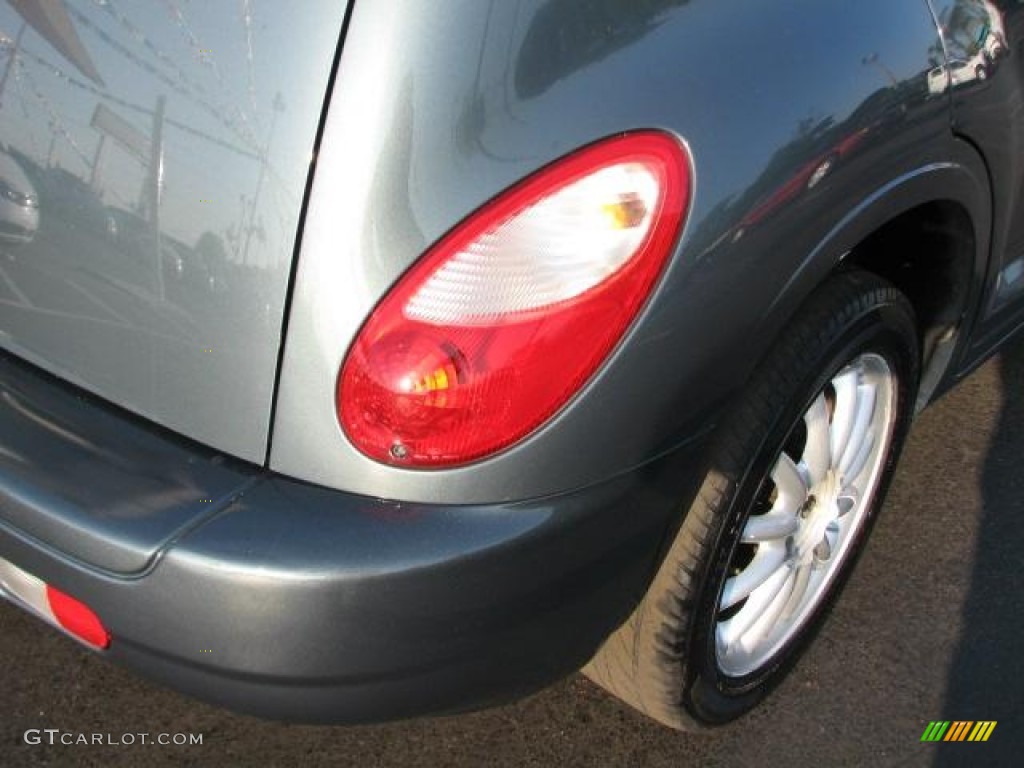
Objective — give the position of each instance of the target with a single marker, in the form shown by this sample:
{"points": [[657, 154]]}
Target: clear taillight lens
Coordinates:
{"points": [[509, 315]]}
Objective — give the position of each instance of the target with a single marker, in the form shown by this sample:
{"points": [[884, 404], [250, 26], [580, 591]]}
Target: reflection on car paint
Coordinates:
{"points": [[19, 203], [975, 40], [163, 148]]}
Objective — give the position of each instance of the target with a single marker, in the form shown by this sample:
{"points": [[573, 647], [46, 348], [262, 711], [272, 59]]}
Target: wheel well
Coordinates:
{"points": [[928, 254]]}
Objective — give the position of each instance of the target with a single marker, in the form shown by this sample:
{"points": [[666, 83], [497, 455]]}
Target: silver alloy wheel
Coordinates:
{"points": [[800, 529]]}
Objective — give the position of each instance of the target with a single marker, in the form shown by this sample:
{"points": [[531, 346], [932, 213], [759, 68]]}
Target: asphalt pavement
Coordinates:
{"points": [[930, 627]]}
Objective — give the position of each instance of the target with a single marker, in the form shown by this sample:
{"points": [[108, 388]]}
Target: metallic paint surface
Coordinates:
{"points": [[170, 146], [94, 485], [988, 111], [462, 104], [409, 592], [302, 603]]}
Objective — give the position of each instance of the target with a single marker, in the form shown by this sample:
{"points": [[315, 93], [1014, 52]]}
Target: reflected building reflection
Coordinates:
{"points": [[19, 203], [129, 134], [975, 38]]}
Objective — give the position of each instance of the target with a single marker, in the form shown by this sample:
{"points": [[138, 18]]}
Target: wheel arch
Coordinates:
{"points": [[928, 232]]}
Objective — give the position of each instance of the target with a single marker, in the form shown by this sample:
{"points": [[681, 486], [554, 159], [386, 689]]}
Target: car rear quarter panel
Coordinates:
{"points": [[807, 121]]}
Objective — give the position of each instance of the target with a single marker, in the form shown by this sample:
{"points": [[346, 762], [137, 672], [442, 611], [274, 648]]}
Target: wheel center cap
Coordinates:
{"points": [[819, 513]]}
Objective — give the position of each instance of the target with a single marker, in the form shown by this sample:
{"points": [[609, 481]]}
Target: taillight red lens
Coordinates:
{"points": [[509, 315]]}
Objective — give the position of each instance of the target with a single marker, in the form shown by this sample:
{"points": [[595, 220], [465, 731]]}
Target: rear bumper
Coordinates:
{"points": [[300, 603]]}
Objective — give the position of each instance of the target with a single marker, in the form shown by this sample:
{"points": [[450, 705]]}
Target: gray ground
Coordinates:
{"points": [[930, 627]]}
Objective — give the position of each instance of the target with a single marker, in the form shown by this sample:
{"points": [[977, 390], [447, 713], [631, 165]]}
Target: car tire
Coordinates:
{"points": [[797, 472]]}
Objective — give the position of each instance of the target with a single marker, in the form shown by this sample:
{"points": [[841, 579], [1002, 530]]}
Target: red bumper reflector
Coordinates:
{"points": [[77, 618]]}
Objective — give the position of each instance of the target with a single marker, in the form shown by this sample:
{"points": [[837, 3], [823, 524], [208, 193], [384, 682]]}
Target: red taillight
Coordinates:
{"points": [[77, 618], [507, 317]]}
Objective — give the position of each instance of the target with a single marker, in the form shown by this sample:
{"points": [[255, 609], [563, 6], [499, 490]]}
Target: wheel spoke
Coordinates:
{"points": [[801, 581], [828, 544], [861, 425], [788, 480], [832, 531], [769, 526], [777, 523], [817, 456], [857, 465], [844, 411], [768, 559], [729, 632], [771, 614]]}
